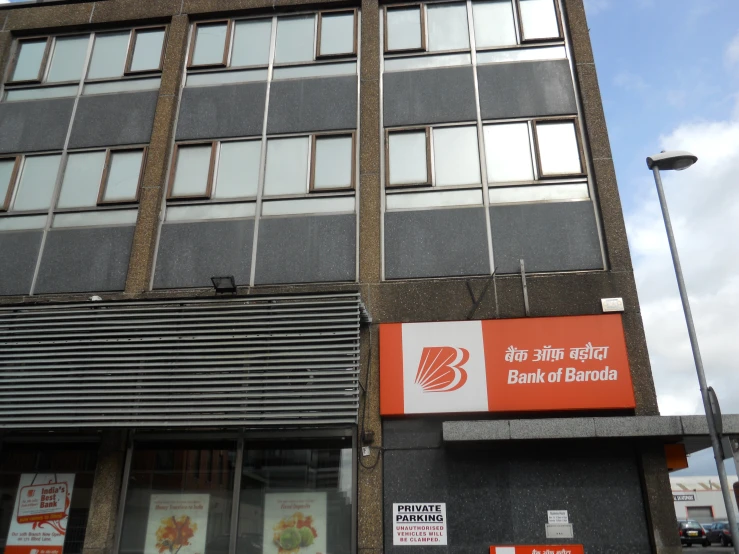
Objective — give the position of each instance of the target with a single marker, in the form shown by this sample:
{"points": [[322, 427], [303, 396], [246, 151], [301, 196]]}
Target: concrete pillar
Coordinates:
{"points": [[106, 491], [658, 499]]}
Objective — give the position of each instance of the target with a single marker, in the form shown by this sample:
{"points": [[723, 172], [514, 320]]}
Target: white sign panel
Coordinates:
{"points": [[558, 516], [416, 524], [559, 531], [178, 524], [40, 515], [294, 523]]}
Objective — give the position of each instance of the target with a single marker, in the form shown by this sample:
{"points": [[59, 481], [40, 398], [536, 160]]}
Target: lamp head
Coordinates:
{"points": [[675, 159]]}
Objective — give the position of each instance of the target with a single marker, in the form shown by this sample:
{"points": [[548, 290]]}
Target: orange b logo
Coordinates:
{"points": [[440, 368]]}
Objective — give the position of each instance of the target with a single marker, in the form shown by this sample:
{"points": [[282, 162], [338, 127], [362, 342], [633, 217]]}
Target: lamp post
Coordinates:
{"points": [[678, 161]]}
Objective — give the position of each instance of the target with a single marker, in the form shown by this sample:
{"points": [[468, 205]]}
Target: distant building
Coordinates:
{"points": [[700, 498]]}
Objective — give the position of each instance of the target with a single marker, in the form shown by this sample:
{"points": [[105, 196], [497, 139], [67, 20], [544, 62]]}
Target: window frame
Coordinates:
{"points": [[319, 16], [574, 120], [211, 170], [522, 35], [43, 66], [226, 47], [106, 174], [312, 169], [132, 47], [424, 43], [5, 202], [429, 167]]}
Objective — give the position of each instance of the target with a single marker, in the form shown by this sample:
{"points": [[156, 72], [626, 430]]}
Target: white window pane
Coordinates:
{"points": [[333, 163], [425, 62], [191, 172], [81, 183], [337, 33], [448, 27], [230, 210], [20, 223], [558, 149], [210, 44], [225, 77], [38, 93], [287, 166], [494, 24], [109, 55], [408, 163], [99, 217], [6, 171], [508, 152], [37, 181], [251, 43], [30, 56], [316, 205], [122, 85], [522, 54], [314, 70], [238, 169], [294, 39], [403, 28], [147, 52], [539, 19], [540, 193], [433, 199], [456, 156], [123, 176], [68, 59]]}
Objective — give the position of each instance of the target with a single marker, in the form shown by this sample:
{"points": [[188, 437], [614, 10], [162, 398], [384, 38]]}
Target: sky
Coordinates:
{"points": [[669, 77]]}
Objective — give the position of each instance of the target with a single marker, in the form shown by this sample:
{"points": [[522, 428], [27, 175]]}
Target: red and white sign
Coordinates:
{"points": [[505, 365], [539, 549], [39, 522]]}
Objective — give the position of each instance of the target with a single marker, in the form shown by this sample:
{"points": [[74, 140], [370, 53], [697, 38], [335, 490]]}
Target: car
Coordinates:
{"points": [[692, 533], [720, 532]]}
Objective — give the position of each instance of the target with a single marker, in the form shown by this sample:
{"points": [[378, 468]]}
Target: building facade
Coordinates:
{"points": [[265, 267]]}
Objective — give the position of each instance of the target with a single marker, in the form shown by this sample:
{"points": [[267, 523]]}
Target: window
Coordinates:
{"points": [[217, 170], [52, 67], [510, 158], [300, 39], [330, 158], [433, 27], [455, 160], [196, 490], [36, 183], [8, 172]]}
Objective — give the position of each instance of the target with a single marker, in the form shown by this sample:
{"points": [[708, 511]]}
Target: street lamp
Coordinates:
{"points": [[678, 160]]}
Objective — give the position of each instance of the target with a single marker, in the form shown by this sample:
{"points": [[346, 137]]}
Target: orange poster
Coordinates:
{"points": [[505, 365], [538, 549]]}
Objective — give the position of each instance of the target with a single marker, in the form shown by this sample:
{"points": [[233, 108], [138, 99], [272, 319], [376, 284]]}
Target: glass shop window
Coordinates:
{"points": [[63, 471], [179, 497], [295, 497]]}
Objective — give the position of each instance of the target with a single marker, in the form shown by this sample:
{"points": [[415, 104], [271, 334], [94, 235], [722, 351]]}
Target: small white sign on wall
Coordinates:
{"points": [[559, 531], [419, 524], [557, 516]]}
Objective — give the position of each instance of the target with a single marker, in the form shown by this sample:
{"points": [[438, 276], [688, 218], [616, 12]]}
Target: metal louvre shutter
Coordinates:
{"points": [[254, 362]]}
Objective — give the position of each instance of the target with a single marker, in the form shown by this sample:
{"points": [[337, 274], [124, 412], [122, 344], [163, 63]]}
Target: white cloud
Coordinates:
{"points": [[594, 7], [704, 206]]}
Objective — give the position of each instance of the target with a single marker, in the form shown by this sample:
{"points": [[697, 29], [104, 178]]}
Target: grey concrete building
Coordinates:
{"points": [[345, 167]]}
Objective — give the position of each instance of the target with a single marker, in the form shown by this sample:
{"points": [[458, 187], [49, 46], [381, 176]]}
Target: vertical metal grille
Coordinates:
{"points": [[256, 362]]}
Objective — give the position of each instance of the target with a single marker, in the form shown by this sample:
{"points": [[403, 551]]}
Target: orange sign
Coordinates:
{"points": [[539, 549], [510, 365]]}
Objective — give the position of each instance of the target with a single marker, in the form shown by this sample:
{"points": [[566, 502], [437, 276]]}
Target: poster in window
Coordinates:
{"points": [[178, 524], [40, 514], [294, 523]]}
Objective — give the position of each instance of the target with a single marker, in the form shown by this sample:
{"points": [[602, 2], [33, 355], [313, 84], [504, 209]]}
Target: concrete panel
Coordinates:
{"points": [[306, 249], [325, 104], [191, 253], [411, 433], [502, 496], [564, 428], [558, 236], [222, 111], [525, 89], [114, 119], [34, 125], [435, 243], [85, 260], [18, 255], [429, 96]]}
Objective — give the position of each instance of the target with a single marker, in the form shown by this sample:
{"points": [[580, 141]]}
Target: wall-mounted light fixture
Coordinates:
{"points": [[224, 284]]}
